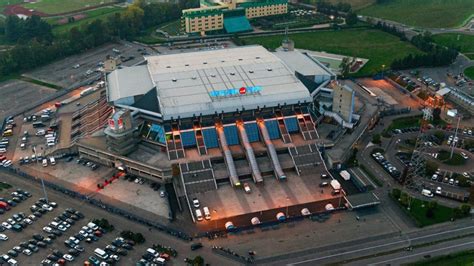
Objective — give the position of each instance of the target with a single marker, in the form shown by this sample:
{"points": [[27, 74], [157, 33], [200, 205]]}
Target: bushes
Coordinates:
{"points": [[104, 223], [135, 237]]}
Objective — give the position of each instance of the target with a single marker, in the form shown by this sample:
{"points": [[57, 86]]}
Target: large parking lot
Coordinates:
{"points": [[77, 68], [100, 240], [16, 94]]}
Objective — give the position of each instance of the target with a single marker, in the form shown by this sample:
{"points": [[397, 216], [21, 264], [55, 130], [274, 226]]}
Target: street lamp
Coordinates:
{"points": [[454, 115], [215, 212], [383, 68], [287, 206], [42, 181]]}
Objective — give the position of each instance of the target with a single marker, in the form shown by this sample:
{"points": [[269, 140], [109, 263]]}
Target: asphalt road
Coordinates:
{"points": [[363, 249]]}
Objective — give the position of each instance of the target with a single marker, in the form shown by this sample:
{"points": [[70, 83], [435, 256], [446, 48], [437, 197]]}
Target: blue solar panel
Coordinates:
{"points": [[231, 135], [188, 139], [252, 132], [160, 136], [291, 124], [210, 138], [273, 130]]}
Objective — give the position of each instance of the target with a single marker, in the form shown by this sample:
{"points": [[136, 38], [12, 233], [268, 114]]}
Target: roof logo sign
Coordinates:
{"points": [[236, 92]]}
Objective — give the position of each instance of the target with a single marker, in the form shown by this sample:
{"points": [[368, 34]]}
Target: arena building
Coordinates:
{"points": [[228, 119]]}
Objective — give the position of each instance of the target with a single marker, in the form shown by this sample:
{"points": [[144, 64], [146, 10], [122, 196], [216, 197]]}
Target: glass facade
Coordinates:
{"points": [[188, 139], [210, 137], [291, 124], [252, 132], [272, 128], [154, 132], [231, 135]]}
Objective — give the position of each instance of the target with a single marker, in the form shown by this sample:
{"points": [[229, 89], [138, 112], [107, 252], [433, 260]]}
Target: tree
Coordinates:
{"points": [[351, 19], [465, 209], [432, 204], [404, 199], [13, 28], [431, 168], [376, 139], [436, 114], [198, 261], [345, 66], [396, 193]]}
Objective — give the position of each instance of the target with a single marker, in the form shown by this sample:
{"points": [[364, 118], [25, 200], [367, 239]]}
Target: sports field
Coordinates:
{"points": [[64, 6], [462, 41], [379, 47], [424, 13]]}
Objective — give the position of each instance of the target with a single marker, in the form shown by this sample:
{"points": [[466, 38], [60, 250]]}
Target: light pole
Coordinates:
{"points": [[455, 136], [42, 181], [215, 212], [287, 206], [383, 68]]}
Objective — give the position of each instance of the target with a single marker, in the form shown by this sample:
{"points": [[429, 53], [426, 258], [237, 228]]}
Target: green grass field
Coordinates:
{"points": [[4, 3], [172, 28], [464, 258], [379, 47], [99, 13], [469, 72], [463, 41], [424, 13], [63, 6]]}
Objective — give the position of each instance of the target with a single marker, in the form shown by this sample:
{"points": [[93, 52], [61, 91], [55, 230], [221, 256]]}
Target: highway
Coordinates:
{"points": [[393, 249]]}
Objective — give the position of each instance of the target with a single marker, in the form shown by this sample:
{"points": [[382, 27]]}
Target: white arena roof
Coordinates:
{"points": [[205, 82]]}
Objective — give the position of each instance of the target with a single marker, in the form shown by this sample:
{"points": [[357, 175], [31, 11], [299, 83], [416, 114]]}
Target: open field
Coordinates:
{"points": [[423, 13], [61, 6], [3, 3], [99, 13], [379, 47], [469, 72], [464, 42]]}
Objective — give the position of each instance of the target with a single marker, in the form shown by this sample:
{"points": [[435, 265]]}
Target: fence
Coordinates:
{"points": [[105, 206]]}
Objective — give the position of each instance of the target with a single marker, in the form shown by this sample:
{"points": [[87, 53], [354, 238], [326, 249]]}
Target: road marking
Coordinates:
{"points": [[382, 245], [424, 252]]}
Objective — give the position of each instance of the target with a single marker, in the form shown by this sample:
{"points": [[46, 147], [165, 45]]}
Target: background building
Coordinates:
{"points": [[229, 16]]}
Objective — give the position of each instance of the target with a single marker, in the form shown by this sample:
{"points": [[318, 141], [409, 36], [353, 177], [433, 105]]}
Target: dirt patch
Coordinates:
{"points": [[18, 9], [77, 17]]}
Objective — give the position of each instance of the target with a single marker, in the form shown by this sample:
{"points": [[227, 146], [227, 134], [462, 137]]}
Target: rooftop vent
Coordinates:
{"points": [[240, 59], [232, 73], [174, 79], [250, 71], [186, 65], [269, 69], [258, 57], [205, 63], [213, 75], [168, 66], [193, 78]]}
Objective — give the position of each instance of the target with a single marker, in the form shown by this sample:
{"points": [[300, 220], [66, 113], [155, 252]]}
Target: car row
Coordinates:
{"points": [[389, 168], [112, 252], [87, 163]]}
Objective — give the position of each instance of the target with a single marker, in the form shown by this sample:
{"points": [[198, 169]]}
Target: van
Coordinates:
{"points": [[51, 144], [207, 213], [427, 193], [101, 253], [52, 160], [198, 215], [152, 252], [45, 162], [92, 226], [159, 261], [12, 262]]}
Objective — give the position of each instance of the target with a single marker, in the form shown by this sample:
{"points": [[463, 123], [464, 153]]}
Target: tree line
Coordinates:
{"points": [[35, 44], [434, 55]]}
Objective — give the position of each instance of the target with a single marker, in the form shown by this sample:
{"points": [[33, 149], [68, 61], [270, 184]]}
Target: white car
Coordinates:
{"points": [[3, 237], [196, 203], [27, 252], [464, 155], [115, 257], [434, 177], [466, 175], [7, 225], [62, 228], [28, 221], [47, 229], [438, 190], [47, 207], [68, 257], [247, 188]]}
